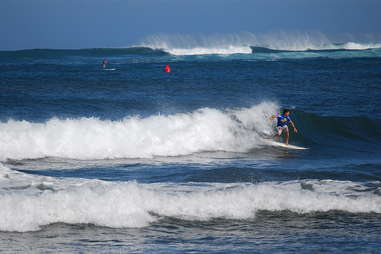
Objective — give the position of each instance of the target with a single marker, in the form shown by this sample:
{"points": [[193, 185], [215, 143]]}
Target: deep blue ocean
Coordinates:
{"points": [[130, 159]]}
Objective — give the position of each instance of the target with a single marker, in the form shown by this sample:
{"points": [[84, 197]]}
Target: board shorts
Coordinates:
{"points": [[280, 129]]}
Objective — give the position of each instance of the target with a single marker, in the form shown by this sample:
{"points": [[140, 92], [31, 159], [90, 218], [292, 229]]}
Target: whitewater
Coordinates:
{"points": [[134, 137], [31, 202]]}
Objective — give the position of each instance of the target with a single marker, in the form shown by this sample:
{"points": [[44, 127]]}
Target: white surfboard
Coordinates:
{"points": [[283, 145]]}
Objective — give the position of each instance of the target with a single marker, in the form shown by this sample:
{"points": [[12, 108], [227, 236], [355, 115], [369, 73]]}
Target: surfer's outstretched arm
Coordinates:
{"points": [[293, 126], [272, 117]]}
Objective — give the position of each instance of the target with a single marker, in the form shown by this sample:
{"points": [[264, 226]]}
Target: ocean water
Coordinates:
{"points": [[130, 159]]}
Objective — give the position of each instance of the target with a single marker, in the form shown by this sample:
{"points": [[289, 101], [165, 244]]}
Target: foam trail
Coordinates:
{"points": [[159, 135], [29, 202]]}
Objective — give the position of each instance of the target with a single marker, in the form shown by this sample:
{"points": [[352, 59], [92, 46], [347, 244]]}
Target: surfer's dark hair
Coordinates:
{"points": [[285, 111]]}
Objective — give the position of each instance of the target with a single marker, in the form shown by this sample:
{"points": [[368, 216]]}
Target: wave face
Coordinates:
{"points": [[159, 135], [29, 202]]}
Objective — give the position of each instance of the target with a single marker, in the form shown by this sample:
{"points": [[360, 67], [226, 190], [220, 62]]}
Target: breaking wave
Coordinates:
{"points": [[134, 137], [29, 202], [232, 130], [247, 43], [218, 44]]}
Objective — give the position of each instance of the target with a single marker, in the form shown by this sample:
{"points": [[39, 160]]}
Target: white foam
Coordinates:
{"points": [[225, 50], [29, 202], [200, 45], [240, 43], [360, 46], [133, 137]]}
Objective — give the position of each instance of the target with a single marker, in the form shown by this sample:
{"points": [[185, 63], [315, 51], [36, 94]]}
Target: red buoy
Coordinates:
{"points": [[167, 68]]}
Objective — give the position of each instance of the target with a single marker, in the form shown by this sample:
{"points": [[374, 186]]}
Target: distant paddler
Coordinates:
{"points": [[104, 63]]}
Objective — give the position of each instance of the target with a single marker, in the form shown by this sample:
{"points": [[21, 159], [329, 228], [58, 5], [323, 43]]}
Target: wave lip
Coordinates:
{"points": [[29, 202]]}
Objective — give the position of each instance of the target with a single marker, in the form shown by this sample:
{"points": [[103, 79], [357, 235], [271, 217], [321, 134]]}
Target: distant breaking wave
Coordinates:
{"points": [[148, 51], [227, 44], [247, 43], [228, 50]]}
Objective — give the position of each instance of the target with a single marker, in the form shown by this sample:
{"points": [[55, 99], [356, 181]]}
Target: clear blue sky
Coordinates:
{"points": [[116, 23]]}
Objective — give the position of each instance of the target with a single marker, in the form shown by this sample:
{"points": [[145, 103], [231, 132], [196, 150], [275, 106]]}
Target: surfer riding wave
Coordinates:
{"points": [[282, 125]]}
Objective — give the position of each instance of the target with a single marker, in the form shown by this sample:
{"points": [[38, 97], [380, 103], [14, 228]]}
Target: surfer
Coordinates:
{"points": [[104, 63], [281, 126]]}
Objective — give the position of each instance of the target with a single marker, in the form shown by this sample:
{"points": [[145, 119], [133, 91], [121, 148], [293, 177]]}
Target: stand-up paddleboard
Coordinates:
{"points": [[283, 145], [112, 69]]}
